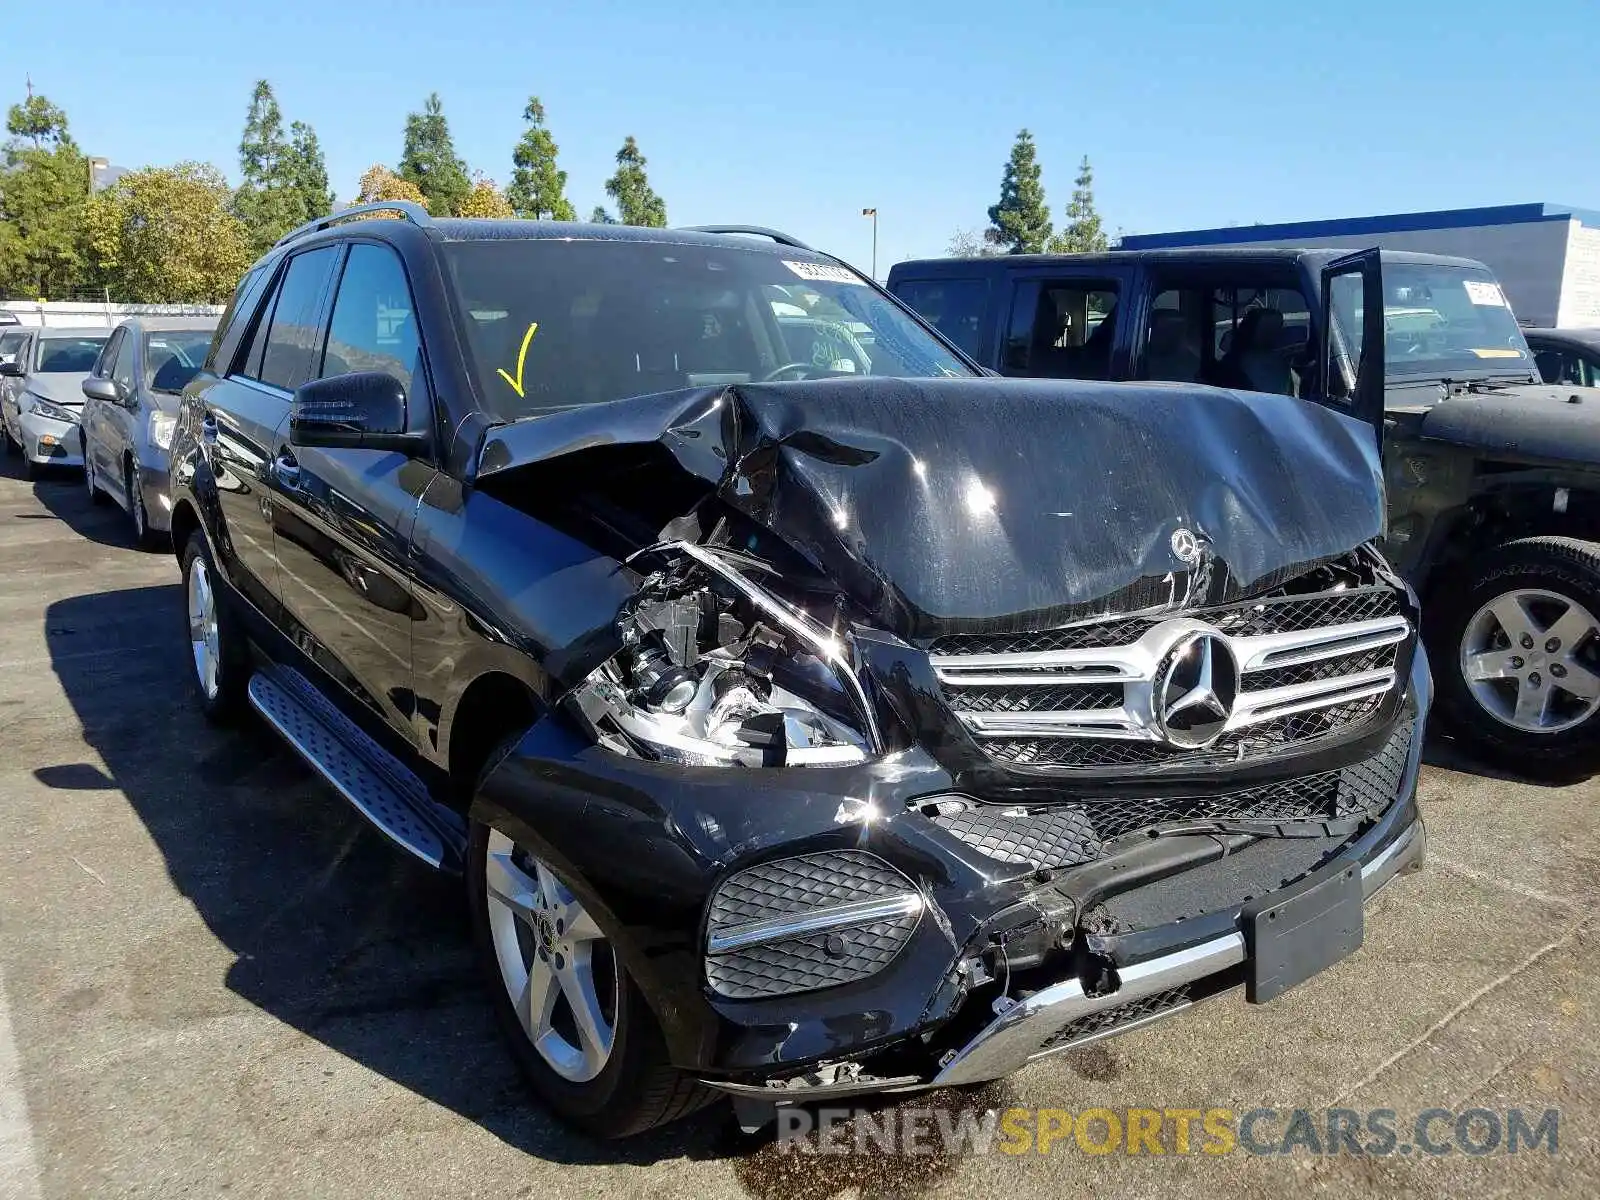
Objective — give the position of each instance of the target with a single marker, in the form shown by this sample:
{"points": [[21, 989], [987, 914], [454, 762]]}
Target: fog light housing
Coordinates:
{"points": [[809, 922]]}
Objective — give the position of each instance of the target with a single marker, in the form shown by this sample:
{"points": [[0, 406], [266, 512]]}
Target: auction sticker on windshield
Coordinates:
{"points": [[823, 273], [1482, 292]]}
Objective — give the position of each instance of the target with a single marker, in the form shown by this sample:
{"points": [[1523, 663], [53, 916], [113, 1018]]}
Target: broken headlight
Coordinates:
{"points": [[717, 671]]}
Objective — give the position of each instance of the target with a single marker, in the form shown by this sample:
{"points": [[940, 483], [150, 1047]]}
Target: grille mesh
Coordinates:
{"points": [[1114, 1018], [1003, 699], [803, 884], [1065, 835]]}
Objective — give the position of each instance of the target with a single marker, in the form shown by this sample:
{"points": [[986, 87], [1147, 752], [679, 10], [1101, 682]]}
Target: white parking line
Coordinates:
{"points": [[19, 1171]]}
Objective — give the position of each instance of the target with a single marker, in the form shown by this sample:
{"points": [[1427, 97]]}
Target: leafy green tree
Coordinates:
{"points": [[430, 162], [538, 188], [485, 200], [1020, 222], [637, 204], [44, 188], [167, 235], [308, 171], [285, 180], [40, 122], [601, 217], [1084, 234], [264, 202]]}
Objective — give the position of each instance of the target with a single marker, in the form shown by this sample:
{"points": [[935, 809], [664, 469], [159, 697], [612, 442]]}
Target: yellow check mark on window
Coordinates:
{"points": [[522, 357]]}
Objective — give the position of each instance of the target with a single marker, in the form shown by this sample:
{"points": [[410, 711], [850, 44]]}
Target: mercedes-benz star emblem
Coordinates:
{"points": [[1196, 693], [1185, 546]]}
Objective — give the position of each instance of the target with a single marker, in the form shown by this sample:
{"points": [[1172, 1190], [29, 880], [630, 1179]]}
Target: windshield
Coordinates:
{"points": [[1438, 321], [173, 357], [69, 355], [553, 324]]}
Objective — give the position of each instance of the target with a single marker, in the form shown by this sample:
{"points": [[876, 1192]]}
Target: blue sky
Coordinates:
{"points": [[798, 115]]}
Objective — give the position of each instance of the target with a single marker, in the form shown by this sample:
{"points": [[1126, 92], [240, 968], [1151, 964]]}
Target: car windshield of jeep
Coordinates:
{"points": [[1439, 321], [555, 323]]}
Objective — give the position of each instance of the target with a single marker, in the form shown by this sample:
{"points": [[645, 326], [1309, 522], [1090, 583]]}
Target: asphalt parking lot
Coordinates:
{"points": [[215, 980]]}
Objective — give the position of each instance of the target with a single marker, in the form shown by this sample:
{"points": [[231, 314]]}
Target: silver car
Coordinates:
{"points": [[130, 406], [41, 415]]}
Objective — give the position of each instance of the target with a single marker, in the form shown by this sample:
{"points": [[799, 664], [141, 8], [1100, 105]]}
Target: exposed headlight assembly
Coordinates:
{"points": [[716, 671], [50, 409]]}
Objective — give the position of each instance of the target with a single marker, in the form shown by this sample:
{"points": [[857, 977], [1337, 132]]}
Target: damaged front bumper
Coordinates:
{"points": [[996, 964]]}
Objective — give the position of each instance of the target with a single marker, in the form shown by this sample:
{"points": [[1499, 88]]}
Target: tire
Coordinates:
{"points": [[1515, 646], [143, 536], [30, 469], [637, 1087], [221, 694], [96, 496]]}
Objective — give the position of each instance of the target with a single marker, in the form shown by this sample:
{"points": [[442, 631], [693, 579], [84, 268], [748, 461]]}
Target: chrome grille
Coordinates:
{"points": [[1084, 696]]}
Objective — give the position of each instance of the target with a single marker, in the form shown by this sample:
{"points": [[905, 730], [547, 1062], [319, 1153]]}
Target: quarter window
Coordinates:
{"points": [[236, 321], [374, 325], [108, 356], [293, 335]]}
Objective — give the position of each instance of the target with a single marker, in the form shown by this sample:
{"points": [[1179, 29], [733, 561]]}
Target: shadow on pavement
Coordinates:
{"points": [[331, 931]]}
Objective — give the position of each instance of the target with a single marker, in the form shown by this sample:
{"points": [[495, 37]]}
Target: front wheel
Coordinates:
{"points": [[96, 496], [579, 1027], [1517, 652], [143, 537]]}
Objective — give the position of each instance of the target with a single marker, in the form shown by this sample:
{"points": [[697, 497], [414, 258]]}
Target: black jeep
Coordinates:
{"points": [[809, 714], [1493, 477]]}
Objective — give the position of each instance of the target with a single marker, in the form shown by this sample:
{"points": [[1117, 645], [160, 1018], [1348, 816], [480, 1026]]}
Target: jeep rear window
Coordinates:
{"points": [[554, 324], [1438, 320]]}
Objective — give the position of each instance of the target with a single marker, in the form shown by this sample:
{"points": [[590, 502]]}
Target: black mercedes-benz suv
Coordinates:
{"points": [[809, 713]]}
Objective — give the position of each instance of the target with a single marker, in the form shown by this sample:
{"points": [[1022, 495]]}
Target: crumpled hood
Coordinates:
{"points": [[61, 387], [1551, 422], [986, 504]]}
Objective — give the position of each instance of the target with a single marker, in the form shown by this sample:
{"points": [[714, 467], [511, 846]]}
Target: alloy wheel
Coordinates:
{"points": [[204, 635], [558, 968], [136, 506], [1531, 659]]}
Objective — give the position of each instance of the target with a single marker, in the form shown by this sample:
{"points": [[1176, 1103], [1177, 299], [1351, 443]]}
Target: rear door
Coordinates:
{"points": [[1351, 349], [92, 420], [345, 515], [1068, 321]]}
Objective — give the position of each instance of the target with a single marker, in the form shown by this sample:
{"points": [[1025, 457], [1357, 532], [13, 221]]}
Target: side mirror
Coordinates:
{"points": [[365, 410], [12, 370], [95, 388]]}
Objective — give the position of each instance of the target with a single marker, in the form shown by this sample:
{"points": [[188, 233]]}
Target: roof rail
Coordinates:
{"points": [[409, 209], [783, 239]]}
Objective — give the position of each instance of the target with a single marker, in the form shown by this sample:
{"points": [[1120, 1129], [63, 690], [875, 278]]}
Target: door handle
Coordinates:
{"points": [[286, 470]]}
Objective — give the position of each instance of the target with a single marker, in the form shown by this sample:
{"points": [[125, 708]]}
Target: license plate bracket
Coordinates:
{"points": [[1294, 933]]}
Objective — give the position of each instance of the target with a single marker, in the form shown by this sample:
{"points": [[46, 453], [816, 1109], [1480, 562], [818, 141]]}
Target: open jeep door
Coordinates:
{"points": [[1351, 351]]}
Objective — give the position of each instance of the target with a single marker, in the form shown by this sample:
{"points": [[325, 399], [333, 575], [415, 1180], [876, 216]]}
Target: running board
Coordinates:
{"points": [[379, 785]]}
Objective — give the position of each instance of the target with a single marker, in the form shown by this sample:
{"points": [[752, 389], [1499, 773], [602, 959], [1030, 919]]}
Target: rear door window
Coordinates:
{"points": [[294, 332], [1229, 334], [955, 307], [1062, 329]]}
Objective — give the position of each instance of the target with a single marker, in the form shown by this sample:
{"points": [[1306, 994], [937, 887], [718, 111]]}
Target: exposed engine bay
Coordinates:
{"points": [[715, 671]]}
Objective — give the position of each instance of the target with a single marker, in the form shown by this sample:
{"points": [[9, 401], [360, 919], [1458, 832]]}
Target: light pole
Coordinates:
{"points": [[873, 213]]}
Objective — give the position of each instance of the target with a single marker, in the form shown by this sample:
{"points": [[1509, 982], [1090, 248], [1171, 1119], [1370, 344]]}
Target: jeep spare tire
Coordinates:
{"points": [[1517, 655]]}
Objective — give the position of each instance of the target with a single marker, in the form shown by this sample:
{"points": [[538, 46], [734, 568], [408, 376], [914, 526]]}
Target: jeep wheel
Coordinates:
{"points": [[578, 1025], [221, 660], [1519, 656]]}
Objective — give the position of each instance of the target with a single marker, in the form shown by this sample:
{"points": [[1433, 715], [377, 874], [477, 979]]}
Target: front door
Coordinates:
{"points": [[1351, 350], [345, 515]]}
